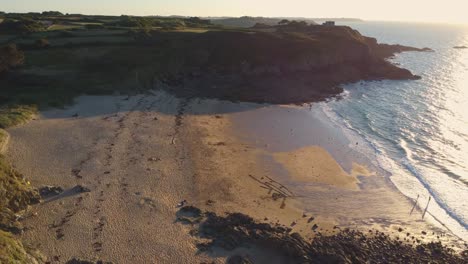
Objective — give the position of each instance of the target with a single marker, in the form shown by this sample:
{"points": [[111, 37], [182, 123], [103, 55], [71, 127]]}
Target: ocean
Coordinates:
{"points": [[416, 132]]}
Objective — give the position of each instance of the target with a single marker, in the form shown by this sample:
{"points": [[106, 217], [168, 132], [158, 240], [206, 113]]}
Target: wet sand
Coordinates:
{"points": [[141, 155]]}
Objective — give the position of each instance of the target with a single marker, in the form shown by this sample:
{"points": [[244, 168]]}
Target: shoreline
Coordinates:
{"points": [[398, 178], [141, 155], [345, 152]]}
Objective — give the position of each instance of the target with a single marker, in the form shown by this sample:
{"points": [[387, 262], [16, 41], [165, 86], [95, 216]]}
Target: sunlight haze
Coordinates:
{"points": [[450, 11]]}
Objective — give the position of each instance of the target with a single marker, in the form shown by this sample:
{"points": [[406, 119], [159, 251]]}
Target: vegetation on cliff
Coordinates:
{"points": [[16, 194], [10, 57], [195, 58]]}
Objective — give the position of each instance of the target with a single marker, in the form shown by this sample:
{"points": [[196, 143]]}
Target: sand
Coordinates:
{"points": [[141, 155]]}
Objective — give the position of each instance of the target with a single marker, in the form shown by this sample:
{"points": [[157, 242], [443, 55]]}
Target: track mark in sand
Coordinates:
{"points": [[58, 226], [179, 118], [277, 190], [76, 173], [109, 160]]}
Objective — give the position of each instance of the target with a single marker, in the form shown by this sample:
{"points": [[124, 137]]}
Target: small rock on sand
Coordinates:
{"points": [[48, 191], [81, 189]]}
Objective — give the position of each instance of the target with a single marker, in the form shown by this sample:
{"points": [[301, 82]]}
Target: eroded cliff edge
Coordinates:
{"points": [[285, 66], [279, 64]]}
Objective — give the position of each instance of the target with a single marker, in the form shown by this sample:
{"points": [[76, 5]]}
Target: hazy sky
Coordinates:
{"points": [[452, 11]]}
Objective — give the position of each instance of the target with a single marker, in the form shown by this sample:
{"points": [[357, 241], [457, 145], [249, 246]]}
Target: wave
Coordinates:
{"points": [[388, 166], [414, 171]]}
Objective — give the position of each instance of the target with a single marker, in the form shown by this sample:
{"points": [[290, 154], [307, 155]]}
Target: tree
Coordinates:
{"points": [[10, 57], [283, 22], [52, 13]]}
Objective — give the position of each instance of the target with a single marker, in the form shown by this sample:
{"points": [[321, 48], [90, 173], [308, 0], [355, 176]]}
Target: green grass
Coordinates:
{"points": [[11, 250], [15, 195], [16, 115]]}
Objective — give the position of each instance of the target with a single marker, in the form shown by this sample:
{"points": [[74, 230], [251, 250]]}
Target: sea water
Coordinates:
{"points": [[417, 131]]}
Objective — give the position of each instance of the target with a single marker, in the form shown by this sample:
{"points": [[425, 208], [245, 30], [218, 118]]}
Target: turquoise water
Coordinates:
{"points": [[417, 131]]}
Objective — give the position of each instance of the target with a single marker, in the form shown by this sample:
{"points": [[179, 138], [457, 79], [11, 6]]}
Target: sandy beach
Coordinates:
{"points": [[140, 156]]}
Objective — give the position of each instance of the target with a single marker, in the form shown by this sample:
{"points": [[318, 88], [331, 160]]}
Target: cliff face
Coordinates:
{"points": [[286, 66]]}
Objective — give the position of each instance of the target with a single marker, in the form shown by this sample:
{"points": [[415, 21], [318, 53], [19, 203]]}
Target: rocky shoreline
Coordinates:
{"points": [[235, 230], [290, 67]]}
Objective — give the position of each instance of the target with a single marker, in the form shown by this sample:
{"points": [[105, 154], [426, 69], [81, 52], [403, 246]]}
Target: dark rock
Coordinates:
{"points": [[237, 230], [190, 210], [80, 261], [81, 189], [48, 191], [238, 260]]}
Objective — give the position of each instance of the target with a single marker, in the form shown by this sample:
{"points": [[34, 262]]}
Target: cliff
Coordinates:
{"points": [[286, 66], [289, 63]]}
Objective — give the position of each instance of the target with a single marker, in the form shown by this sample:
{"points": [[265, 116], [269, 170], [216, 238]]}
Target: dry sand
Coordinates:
{"points": [[141, 155]]}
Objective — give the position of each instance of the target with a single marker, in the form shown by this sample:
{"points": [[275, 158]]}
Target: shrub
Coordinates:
{"points": [[42, 43], [22, 26], [10, 57], [52, 13]]}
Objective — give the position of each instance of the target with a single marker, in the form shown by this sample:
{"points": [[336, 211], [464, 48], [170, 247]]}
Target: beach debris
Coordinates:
{"points": [[415, 203], [238, 260], [182, 203], [427, 206], [277, 196], [314, 227], [310, 219], [154, 159], [48, 191]]}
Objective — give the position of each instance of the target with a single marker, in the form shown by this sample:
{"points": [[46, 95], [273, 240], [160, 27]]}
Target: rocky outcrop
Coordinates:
{"points": [[234, 231], [286, 66], [387, 50]]}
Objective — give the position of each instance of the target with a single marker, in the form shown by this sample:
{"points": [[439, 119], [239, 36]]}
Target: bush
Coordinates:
{"points": [[10, 57], [52, 13], [42, 43], [22, 26]]}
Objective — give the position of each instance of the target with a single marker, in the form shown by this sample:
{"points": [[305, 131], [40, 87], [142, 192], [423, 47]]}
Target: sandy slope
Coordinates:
{"points": [[140, 156]]}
